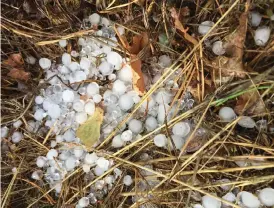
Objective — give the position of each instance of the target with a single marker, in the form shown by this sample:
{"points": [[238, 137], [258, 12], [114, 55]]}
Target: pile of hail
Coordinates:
{"points": [[96, 76]]}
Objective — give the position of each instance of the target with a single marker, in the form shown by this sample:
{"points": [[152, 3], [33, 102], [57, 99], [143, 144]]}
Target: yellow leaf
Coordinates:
{"points": [[89, 132]]}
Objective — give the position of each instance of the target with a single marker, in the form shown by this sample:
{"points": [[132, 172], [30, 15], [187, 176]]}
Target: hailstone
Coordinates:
{"points": [[115, 59], [160, 140], [63, 43], [92, 89], [85, 63], [103, 163], [135, 126], [66, 59], [16, 137], [52, 153], [218, 48], [126, 136], [249, 200], [39, 100], [94, 19], [44, 63], [151, 123], [91, 159], [205, 26], [227, 114], [256, 18], [209, 202], [181, 129], [68, 96], [117, 141], [127, 180], [119, 87], [105, 68], [247, 122], [83, 202], [81, 117], [90, 107], [126, 102], [17, 124], [70, 163], [125, 74], [262, 35], [266, 196]]}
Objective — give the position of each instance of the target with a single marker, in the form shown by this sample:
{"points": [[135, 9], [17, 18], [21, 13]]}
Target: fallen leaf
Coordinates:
{"points": [[14, 60], [138, 79], [89, 132], [19, 74]]}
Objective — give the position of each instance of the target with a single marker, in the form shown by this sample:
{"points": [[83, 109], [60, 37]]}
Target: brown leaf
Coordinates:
{"points": [[14, 60], [138, 79], [19, 74]]}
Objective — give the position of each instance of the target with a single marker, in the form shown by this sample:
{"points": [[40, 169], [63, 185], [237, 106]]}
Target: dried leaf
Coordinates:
{"points": [[89, 132], [138, 79], [19, 74], [14, 60]]}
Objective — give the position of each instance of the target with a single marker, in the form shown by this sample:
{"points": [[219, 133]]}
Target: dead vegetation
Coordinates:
{"points": [[243, 80]]}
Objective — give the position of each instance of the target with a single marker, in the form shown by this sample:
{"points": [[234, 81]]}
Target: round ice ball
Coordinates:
{"points": [[98, 171], [63, 43], [90, 107], [151, 123], [227, 114], [31, 60], [16, 137], [247, 122], [83, 202], [103, 163], [127, 180], [117, 141], [70, 163], [85, 63], [136, 126], [41, 161], [121, 30], [218, 48], [92, 89], [266, 196], [86, 168], [249, 200], [78, 106], [68, 96], [69, 135], [105, 68], [262, 35], [255, 18], [94, 19], [126, 102], [165, 61], [80, 76], [115, 59], [39, 100], [209, 202], [78, 151], [17, 124], [36, 175], [125, 74], [126, 136], [66, 59], [112, 77], [160, 140], [4, 132], [119, 87], [81, 117], [181, 129], [52, 153], [63, 69], [197, 206], [39, 114], [55, 111], [178, 141], [205, 26], [229, 197], [91, 159], [97, 98], [163, 97], [74, 66], [44, 63]]}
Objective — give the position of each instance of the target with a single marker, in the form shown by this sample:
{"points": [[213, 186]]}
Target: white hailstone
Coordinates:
{"points": [[125, 74], [4, 132], [94, 19], [105, 22], [53, 143], [103, 163], [68, 96], [99, 185], [127, 180], [64, 155], [63, 43], [121, 30], [165, 61], [106, 49], [109, 179], [178, 141], [115, 59], [44, 63], [160, 140], [209, 202], [86, 168], [112, 77], [229, 197], [197, 206], [90, 107], [59, 138], [36, 175], [255, 18], [161, 115], [17, 124], [66, 59], [81, 41], [91, 159], [16, 137], [117, 172], [97, 98], [249, 200], [92, 89], [41, 161], [247, 122], [218, 48], [227, 114], [266, 196], [74, 66], [52, 153], [78, 152], [70, 163], [126, 102], [98, 171], [117, 141], [83, 202], [31, 60], [32, 126], [39, 100], [223, 181], [204, 27], [54, 111], [63, 69], [85, 63], [58, 187], [78, 106], [126, 136], [74, 54], [181, 129], [136, 126], [163, 97], [119, 87], [69, 135], [151, 123], [262, 35], [81, 117], [39, 114], [105, 68]]}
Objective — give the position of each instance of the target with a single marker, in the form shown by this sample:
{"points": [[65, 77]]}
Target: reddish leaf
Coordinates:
{"points": [[14, 60], [138, 79], [19, 74]]}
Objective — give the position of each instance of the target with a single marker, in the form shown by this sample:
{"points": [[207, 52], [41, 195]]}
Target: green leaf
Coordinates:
{"points": [[89, 132]]}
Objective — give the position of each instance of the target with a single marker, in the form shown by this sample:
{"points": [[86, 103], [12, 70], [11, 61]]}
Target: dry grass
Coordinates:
{"points": [[181, 178]]}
